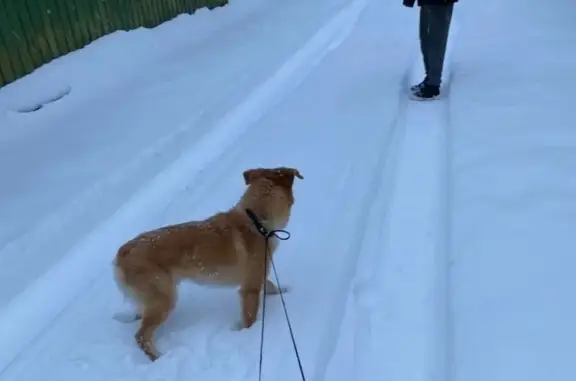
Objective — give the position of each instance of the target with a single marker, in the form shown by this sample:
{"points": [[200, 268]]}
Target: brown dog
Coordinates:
{"points": [[226, 249]]}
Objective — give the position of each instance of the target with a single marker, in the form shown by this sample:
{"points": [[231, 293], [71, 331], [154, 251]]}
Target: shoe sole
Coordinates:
{"points": [[414, 97]]}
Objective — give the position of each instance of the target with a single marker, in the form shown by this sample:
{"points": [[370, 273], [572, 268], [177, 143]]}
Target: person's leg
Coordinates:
{"points": [[436, 20], [424, 37]]}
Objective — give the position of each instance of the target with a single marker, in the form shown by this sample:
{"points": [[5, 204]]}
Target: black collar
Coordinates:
{"points": [[261, 229]]}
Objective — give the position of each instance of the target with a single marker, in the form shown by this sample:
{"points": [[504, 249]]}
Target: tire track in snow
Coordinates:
{"points": [[397, 319], [384, 164], [444, 312], [396, 324], [392, 322], [402, 319], [91, 257]]}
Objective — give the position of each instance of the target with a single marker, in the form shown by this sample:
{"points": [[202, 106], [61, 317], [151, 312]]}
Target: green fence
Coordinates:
{"points": [[34, 32]]}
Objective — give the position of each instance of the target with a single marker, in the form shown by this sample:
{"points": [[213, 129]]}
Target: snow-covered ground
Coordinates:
{"points": [[513, 192], [430, 241]]}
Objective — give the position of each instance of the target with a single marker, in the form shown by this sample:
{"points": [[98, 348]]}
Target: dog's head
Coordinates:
{"points": [[281, 176]]}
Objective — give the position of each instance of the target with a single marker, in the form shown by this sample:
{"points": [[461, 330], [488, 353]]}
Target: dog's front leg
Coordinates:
{"points": [[250, 299], [250, 290]]}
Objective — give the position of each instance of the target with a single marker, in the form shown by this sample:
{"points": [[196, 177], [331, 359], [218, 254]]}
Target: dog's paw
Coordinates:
{"points": [[127, 317]]}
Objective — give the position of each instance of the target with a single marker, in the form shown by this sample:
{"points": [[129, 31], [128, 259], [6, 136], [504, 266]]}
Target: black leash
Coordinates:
{"points": [[281, 235]]}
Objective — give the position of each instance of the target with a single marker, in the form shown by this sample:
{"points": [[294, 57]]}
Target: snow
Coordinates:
{"points": [[429, 241], [513, 187]]}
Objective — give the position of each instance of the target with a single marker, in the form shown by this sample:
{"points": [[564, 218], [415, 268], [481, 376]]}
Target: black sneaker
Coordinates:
{"points": [[426, 93], [417, 87]]}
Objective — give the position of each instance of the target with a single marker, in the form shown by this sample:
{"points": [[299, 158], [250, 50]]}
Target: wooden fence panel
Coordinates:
{"points": [[34, 32]]}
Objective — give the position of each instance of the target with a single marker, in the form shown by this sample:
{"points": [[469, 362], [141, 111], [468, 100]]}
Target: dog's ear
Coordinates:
{"points": [[285, 176], [252, 174], [294, 172]]}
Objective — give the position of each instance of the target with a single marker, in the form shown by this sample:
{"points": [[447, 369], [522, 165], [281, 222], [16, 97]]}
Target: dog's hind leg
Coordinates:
{"points": [[152, 318], [158, 301]]}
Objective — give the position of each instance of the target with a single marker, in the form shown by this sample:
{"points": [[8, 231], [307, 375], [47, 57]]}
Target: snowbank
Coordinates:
{"points": [[90, 71]]}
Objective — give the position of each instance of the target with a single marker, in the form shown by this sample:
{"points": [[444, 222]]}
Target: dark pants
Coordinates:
{"points": [[434, 27]]}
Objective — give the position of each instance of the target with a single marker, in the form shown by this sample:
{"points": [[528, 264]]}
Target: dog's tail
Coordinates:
{"points": [[123, 259], [121, 264]]}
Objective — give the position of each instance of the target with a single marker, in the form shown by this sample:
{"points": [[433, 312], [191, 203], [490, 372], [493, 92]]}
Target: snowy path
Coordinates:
{"points": [[358, 127]]}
